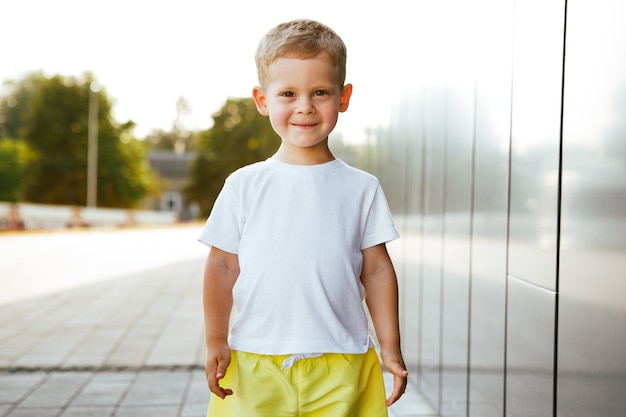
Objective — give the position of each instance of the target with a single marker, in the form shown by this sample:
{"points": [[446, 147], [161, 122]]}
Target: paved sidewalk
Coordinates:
{"points": [[130, 346], [126, 346], [167, 393], [152, 318]]}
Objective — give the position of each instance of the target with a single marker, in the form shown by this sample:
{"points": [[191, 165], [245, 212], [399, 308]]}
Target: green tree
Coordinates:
{"points": [[14, 106], [239, 136], [55, 124], [14, 157]]}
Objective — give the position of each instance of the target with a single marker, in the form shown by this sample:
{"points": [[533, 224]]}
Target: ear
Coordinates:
{"points": [[259, 99], [344, 100]]}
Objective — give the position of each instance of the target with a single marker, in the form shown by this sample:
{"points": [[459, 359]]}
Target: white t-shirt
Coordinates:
{"points": [[298, 231]]}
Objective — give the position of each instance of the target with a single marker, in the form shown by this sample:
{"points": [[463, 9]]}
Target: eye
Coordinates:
{"points": [[320, 93], [287, 94]]}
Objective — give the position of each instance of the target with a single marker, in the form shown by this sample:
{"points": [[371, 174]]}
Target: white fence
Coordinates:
{"points": [[26, 216]]}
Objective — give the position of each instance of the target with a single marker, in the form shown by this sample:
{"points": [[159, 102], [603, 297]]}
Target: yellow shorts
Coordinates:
{"points": [[332, 385]]}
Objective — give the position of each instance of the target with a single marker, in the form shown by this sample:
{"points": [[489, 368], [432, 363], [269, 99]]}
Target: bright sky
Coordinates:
{"points": [[148, 54]]}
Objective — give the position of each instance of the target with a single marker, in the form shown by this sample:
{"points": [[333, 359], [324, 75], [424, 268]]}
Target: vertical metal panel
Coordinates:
{"points": [[433, 244], [456, 245], [592, 283], [411, 273], [537, 60], [489, 216], [530, 350], [533, 215]]}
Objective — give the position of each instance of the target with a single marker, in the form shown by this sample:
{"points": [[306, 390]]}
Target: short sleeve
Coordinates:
{"points": [[379, 226], [222, 227]]}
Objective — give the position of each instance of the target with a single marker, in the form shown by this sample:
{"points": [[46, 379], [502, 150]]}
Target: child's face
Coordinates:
{"points": [[302, 98]]}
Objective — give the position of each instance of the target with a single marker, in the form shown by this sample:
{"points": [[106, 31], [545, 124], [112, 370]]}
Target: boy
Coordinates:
{"points": [[297, 241]]}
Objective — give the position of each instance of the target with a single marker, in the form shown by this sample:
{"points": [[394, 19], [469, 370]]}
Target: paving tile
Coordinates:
{"points": [[11, 350], [95, 350], [157, 388], [102, 391], [48, 316], [35, 412], [8, 328], [6, 361], [89, 411], [194, 410], [52, 350], [13, 387], [201, 354], [198, 391], [132, 351], [40, 359], [148, 411], [197, 396], [122, 376], [177, 344], [57, 390]]}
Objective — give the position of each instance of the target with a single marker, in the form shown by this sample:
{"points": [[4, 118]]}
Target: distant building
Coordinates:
{"points": [[173, 169]]}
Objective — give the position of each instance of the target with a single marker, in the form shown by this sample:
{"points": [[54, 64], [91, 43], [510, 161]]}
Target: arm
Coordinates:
{"points": [[220, 273], [381, 295]]}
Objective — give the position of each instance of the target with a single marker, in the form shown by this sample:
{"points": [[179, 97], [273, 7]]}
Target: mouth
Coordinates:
{"points": [[304, 125]]}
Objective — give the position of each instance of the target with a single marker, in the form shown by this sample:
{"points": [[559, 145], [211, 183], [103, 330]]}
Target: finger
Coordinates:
{"points": [[213, 383], [214, 374], [220, 371], [216, 389], [399, 386]]}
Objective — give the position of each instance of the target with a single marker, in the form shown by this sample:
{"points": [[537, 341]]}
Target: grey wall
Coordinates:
{"points": [[504, 159]]}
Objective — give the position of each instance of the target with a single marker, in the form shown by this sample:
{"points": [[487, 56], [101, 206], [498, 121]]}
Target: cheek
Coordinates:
{"points": [[278, 122], [279, 114], [331, 113]]}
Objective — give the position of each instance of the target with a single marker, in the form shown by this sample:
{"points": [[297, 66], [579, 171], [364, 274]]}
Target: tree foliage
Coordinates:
{"points": [[14, 157], [15, 105], [239, 136], [51, 116]]}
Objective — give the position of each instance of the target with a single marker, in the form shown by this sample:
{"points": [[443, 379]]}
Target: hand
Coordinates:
{"points": [[218, 360], [395, 365]]}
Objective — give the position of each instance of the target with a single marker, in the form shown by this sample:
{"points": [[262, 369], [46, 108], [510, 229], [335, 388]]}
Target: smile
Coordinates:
{"points": [[304, 125]]}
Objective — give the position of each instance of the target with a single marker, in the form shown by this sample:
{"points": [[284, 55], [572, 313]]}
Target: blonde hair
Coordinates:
{"points": [[303, 39]]}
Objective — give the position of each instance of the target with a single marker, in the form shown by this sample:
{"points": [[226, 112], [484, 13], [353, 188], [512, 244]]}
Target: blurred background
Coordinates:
{"points": [[496, 128], [160, 85]]}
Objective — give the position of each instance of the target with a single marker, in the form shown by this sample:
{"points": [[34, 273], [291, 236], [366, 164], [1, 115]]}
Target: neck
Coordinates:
{"points": [[304, 156]]}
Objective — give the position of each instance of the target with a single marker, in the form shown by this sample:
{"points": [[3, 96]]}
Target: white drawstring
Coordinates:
{"points": [[291, 360]]}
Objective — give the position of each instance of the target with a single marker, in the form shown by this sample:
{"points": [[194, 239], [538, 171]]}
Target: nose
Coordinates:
{"points": [[304, 105]]}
